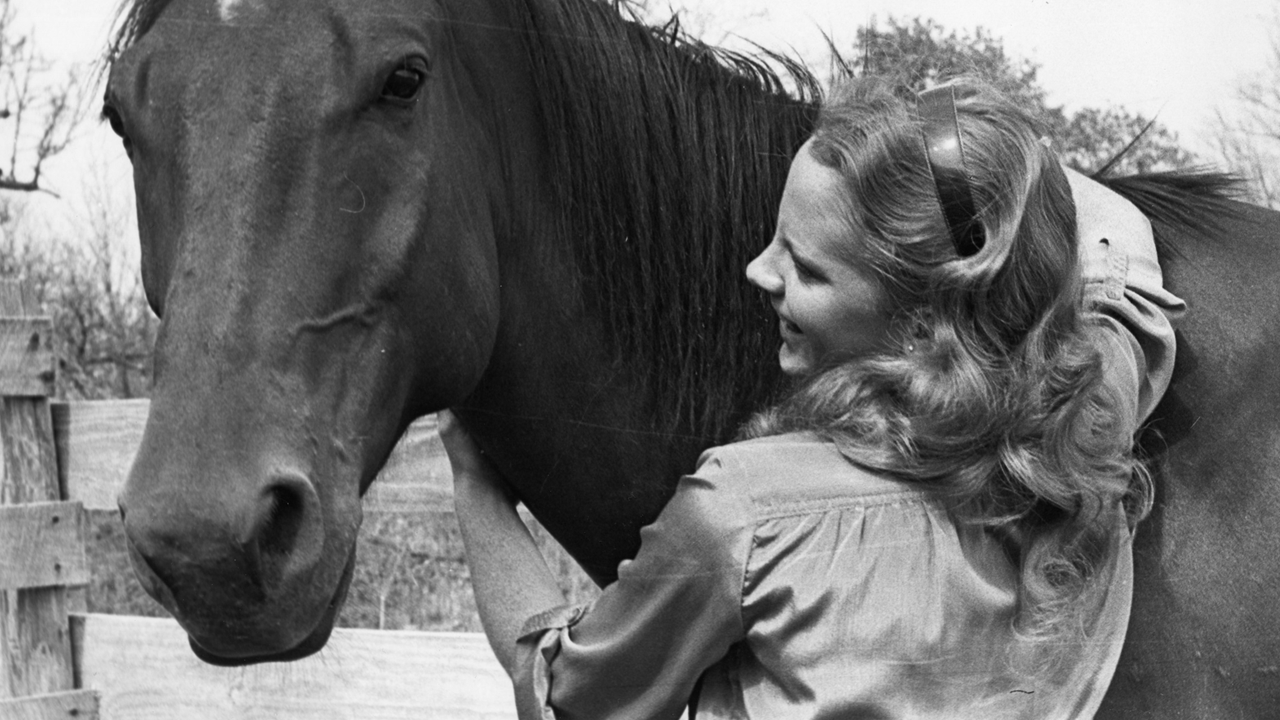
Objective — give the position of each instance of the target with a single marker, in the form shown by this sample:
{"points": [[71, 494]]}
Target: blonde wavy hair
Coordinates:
{"points": [[992, 394]]}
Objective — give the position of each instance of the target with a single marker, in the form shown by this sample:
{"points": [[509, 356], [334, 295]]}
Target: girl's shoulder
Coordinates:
{"points": [[797, 470]]}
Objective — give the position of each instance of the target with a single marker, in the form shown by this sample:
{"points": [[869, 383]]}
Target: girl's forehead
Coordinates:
{"points": [[816, 208], [815, 188]]}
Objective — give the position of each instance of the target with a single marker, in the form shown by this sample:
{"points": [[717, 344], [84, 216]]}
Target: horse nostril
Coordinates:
{"points": [[283, 521], [274, 539]]}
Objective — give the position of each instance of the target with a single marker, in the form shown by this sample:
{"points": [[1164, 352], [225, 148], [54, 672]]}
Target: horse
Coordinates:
{"points": [[538, 213]]}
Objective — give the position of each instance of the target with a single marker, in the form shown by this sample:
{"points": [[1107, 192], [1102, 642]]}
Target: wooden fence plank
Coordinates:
{"points": [[73, 705], [143, 669], [42, 544], [38, 642], [35, 644], [97, 441], [26, 440], [27, 361]]}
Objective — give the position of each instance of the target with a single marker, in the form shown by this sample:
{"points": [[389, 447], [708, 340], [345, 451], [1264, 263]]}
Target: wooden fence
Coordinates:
{"points": [[57, 661]]}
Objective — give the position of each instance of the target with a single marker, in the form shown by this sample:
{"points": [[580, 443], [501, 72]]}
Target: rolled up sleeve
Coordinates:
{"points": [[1124, 295], [638, 651]]}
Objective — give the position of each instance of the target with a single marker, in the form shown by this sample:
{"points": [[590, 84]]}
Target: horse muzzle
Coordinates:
{"points": [[247, 580], [217, 651]]}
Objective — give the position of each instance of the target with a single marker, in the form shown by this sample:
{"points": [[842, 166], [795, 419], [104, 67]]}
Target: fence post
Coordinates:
{"points": [[35, 639]]}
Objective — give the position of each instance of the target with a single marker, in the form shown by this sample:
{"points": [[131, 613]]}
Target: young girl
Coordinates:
{"points": [[937, 522]]}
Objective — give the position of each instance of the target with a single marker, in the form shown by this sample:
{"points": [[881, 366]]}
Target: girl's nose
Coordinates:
{"points": [[761, 273]]}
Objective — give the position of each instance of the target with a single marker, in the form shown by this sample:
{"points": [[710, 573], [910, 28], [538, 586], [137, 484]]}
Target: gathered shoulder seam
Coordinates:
{"points": [[818, 506]]}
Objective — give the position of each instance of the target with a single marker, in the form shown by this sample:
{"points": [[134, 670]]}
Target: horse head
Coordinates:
{"points": [[317, 228]]}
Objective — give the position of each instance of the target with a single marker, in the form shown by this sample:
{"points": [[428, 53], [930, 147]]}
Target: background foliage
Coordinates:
{"points": [[922, 53]]}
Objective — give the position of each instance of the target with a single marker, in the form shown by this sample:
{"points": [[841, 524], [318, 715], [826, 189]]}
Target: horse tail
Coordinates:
{"points": [[1199, 202]]}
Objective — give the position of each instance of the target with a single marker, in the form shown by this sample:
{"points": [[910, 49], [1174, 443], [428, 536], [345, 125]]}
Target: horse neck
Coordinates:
{"points": [[629, 339]]}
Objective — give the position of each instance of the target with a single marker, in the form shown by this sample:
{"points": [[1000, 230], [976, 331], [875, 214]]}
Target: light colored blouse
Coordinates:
{"points": [[798, 585]]}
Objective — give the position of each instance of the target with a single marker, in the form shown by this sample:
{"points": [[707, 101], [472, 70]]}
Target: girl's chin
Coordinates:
{"points": [[794, 363]]}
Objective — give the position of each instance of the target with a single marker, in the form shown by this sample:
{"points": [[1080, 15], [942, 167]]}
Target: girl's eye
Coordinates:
{"points": [[804, 271]]}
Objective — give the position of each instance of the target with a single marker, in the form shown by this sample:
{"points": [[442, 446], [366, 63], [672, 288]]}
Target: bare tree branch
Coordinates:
{"points": [[1248, 141], [43, 113]]}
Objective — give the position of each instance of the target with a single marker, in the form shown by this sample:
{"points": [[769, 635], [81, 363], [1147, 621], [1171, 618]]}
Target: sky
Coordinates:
{"points": [[1177, 60]]}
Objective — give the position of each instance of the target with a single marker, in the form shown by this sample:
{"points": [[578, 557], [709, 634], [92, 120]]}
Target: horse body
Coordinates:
{"points": [[1204, 635], [559, 262]]}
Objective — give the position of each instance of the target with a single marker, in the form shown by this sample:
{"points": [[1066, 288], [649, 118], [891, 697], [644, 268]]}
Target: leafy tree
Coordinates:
{"points": [[921, 52]]}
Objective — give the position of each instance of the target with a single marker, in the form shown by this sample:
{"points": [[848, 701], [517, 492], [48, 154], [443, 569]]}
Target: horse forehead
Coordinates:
{"points": [[232, 10], [229, 10]]}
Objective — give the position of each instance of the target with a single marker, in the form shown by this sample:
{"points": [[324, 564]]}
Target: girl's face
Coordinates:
{"points": [[829, 309]]}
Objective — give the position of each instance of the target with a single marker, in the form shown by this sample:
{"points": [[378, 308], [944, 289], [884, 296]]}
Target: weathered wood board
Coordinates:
{"points": [[143, 669], [98, 440], [27, 362], [35, 645], [42, 544], [72, 705]]}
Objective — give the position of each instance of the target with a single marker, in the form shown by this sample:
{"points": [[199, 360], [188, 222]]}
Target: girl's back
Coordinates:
{"points": [[862, 598]]}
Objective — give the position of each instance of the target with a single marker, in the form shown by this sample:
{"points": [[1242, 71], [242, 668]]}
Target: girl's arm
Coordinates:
{"points": [[1124, 293], [640, 648], [508, 573]]}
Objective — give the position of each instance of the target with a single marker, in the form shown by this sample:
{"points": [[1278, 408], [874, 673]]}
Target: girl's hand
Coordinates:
{"points": [[472, 471]]}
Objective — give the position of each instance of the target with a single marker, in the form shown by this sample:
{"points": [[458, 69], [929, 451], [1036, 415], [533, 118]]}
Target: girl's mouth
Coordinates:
{"points": [[790, 328]]}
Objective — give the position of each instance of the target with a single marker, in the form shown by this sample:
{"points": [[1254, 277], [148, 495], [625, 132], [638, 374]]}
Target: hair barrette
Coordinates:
{"points": [[936, 110]]}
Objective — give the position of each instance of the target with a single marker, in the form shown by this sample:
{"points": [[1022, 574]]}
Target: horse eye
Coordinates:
{"points": [[112, 116], [404, 83]]}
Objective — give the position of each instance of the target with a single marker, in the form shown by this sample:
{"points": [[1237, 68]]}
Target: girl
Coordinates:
{"points": [[937, 522]]}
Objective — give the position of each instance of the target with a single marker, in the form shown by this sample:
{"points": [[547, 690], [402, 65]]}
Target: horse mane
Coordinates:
{"points": [[1197, 202], [670, 161], [133, 19]]}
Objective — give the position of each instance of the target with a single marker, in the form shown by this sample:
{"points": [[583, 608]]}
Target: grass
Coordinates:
{"points": [[411, 574]]}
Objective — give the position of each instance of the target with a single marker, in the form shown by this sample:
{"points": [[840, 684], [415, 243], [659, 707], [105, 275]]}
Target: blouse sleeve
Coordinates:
{"points": [[673, 612], [1124, 296]]}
